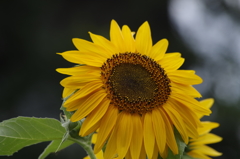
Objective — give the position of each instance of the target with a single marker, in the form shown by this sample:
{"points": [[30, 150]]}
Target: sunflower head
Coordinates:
{"points": [[132, 92]]}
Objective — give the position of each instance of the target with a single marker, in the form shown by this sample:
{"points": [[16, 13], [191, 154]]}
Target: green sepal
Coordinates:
{"points": [[68, 125], [67, 114]]}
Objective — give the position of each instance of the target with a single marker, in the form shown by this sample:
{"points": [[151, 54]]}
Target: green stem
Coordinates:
{"points": [[86, 146], [89, 150]]}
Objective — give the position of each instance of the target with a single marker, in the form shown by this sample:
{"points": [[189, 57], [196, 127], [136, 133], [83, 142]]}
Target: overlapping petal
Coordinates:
{"points": [[88, 105], [94, 117], [87, 58], [184, 77], [104, 43], [197, 146], [106, 126], [89, 47]]}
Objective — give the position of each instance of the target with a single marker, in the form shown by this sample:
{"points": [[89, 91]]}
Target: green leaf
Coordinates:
{"points": [[181, 147], [20, 132], [55, 146]]}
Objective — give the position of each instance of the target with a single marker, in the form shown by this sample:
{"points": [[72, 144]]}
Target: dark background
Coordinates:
{"points": [[32, 32]]}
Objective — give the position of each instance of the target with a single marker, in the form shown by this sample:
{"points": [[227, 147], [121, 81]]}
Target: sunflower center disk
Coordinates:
{"points": [[135, 83], [132, 82]]}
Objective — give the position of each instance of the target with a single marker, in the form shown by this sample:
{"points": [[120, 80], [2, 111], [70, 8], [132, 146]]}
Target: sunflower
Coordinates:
{"points": [[197, 147], [132, 92]]}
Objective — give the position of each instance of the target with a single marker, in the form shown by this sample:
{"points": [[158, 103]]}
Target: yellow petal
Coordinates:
{"points": [[107, 123], [171, 64], [207, 103], [184, 77], [124, 134], [86, 46], [155, 152], [143, 152], [185, 89], [99, 155], [104, 43], [91, 129], [191, 103], [207, 127], [172, 55], [88, 105], [74, 105], [144, 39], [159, 130], [208, 151], [197, 154], [159, 49], [117, 37], [165, 153], [84, 91], [207, 139], [72, 56], [177, 121], [128, 155], [191, 115], [87, 157], [94, 138], [189, 118], [78, 70], [87, 58], [111, 148], [170, 134], [136, 143], [67, 92], [128, 39], [78, 81], [94, 116], [149, 137]]}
